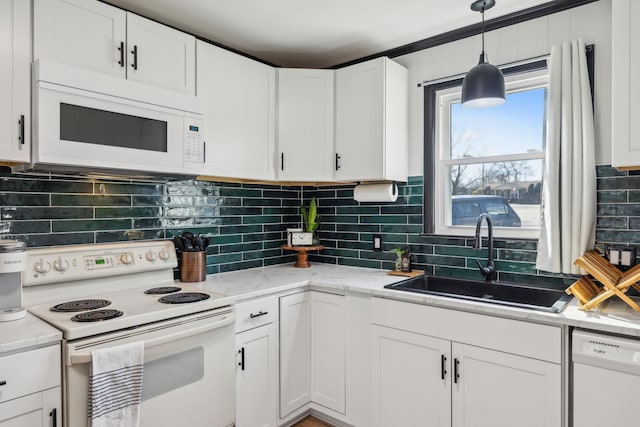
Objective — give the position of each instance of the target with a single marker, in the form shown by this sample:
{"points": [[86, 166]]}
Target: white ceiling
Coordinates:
{"points": [[316, 34]]}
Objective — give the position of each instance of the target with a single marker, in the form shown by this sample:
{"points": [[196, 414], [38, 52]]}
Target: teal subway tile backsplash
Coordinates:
{"points": [[400, 224], [247, 222]]}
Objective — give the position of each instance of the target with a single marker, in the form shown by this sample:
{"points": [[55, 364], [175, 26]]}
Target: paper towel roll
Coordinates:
{"points": [[376, 192]]}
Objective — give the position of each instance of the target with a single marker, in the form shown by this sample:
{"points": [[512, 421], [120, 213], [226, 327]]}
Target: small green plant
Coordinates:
{"points": [[397, 251], [310, 216]]}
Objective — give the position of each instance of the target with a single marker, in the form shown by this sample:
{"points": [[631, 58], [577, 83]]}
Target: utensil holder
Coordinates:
{"points": [[193, 267]]}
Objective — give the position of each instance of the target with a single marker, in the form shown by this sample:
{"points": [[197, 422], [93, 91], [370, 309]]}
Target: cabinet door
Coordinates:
{"points": [[160, 56], [503, 390], [84, 33], [15, 82], [360, 120], [295, 352], [625, 105], [328, 350], [411, 379], [40, 409], [305, 124], [239, 105], [256, 380]]}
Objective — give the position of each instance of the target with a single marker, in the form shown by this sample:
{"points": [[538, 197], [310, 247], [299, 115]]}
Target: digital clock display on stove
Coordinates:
{"points": [[99, 261]]}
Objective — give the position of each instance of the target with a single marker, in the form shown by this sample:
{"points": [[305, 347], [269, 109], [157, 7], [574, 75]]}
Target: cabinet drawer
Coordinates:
{"points": [[28, 372], [256, 313]]}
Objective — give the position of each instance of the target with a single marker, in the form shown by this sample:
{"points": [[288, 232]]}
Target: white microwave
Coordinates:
{"points": [[92, 122]]}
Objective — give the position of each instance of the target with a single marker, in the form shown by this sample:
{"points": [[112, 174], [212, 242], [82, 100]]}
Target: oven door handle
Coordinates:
{"points": [[79, 357]]}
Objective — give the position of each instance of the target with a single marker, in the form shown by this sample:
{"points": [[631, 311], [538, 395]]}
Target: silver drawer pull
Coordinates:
{"points": [[262, 313]]}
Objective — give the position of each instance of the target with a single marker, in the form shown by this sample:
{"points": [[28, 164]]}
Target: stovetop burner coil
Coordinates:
{"points": [[184, 298], [80, 305], [97, 315], [163, 290]]}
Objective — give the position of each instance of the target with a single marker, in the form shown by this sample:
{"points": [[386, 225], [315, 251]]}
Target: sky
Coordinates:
{"points": [[516, 126]]}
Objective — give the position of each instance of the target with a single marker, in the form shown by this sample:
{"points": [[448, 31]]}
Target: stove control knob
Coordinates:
{"points": [[126, 258], [42, 266], [164, 254], [61, 264], [151, 256]]}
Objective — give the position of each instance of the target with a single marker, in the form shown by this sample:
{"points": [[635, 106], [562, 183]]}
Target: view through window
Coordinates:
{"points": [[490, 160]]}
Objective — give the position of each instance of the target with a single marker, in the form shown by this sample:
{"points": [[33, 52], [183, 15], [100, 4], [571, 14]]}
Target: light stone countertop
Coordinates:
{"points": [[613, 316], [21, 334]]}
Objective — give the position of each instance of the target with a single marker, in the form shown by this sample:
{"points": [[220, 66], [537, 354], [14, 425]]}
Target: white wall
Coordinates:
{"points": [[591, 22]]}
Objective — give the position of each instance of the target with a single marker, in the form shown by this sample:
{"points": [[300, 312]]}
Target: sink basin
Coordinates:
{"points": [[516, 295]]}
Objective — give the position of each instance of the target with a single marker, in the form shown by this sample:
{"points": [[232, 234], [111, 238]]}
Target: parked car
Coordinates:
{"points": [[466, 209]]}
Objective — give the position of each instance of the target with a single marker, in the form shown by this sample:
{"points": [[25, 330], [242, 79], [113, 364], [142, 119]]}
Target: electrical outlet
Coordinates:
{"points": [[377, 242], [622, 255]]}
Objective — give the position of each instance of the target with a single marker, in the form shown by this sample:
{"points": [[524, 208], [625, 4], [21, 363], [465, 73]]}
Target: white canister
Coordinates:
{"points": [[289, 231]]}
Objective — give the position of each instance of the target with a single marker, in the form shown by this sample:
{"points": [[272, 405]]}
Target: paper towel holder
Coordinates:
{"points": [[376, 192]]}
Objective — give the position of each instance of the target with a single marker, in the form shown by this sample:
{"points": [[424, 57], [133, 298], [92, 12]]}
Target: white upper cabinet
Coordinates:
{"points": [[305, 124], [93, 35], [15, 81], [84, 33], [239, 106], [625, 96], [372, 122], [160, 56]]}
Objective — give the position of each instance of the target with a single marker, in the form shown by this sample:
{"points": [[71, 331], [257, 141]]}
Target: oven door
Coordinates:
{"points": [[188, 373], [86, 129]]}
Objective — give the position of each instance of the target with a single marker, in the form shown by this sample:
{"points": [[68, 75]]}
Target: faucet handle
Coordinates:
{"points": [[487, 271]]}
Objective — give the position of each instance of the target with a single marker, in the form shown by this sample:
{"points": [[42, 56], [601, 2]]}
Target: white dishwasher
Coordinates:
{"points": [[606, 380]]}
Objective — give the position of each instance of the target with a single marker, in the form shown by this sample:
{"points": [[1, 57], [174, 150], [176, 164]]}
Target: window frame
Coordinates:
{"points": [[519, 82], [515, 77]]}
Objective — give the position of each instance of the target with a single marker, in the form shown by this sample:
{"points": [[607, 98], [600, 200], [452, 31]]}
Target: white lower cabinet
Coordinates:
{"points": [[30, 393], [41, 409], [411, 379], [257, 363], [295, 352], [328, 351], [312, 351], [436, 367], [256, 380], [504, 390]]}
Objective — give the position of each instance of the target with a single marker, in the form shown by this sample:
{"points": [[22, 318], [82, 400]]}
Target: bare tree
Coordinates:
{"points": [[505, 172]]}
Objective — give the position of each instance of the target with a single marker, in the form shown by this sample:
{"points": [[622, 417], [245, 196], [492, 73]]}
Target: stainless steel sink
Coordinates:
{"points": [[516, 295]]}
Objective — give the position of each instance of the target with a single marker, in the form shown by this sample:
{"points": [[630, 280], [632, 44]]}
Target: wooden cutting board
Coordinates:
{"points": [[412, 273]]}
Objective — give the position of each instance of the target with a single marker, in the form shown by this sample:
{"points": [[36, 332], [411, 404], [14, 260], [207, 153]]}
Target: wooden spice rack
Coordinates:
{"points": [[614, 282]]}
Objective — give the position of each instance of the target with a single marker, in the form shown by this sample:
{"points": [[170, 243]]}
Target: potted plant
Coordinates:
{"points": [[398, 252], [310, 219]]}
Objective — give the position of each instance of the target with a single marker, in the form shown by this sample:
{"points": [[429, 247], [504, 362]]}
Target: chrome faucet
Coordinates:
{"points": [[488, 271]]}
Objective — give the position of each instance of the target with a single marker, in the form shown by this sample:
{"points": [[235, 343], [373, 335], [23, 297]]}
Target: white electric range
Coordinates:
{"points": [[104, 295]]}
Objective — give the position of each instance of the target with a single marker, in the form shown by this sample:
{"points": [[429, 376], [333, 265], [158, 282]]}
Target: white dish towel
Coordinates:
{"points": [[115, 386]]}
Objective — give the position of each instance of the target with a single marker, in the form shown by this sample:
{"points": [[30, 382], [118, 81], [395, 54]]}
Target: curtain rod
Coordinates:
{"points": [[503, 66]]}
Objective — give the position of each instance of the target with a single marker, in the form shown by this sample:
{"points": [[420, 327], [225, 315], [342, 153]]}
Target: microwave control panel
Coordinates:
{"points": [[193, 141]]}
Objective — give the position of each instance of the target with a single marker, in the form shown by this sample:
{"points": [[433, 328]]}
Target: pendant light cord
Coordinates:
{"points": [[484, 57]]}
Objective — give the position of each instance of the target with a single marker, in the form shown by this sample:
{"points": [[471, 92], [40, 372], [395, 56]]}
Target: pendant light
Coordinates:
{"points": [[483, 86]]}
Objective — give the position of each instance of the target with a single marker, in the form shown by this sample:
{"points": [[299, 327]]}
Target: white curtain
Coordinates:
{"points": [[568, 208]]}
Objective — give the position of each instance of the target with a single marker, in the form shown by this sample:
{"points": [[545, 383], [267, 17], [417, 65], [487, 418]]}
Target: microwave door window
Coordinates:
{"points": [[94, 126]]}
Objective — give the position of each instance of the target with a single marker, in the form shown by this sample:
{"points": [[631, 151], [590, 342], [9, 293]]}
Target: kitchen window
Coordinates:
{"points": [[487, 160]]}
